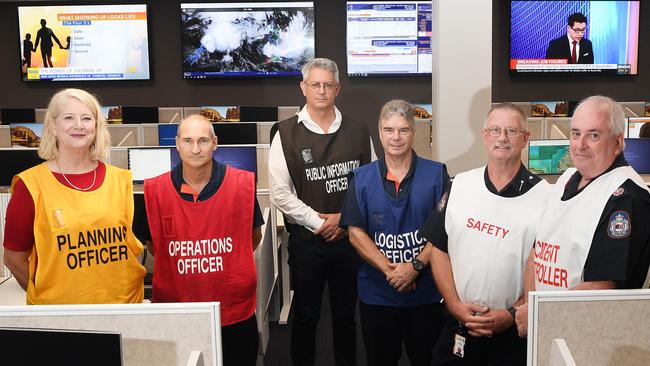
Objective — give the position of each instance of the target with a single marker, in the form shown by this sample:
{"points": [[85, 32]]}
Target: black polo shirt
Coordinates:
{"points": [[434, 229], [140, 222], [625, 259], [350, 212]]}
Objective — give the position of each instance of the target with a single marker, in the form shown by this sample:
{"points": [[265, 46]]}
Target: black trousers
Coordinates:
{"points": [[385, 327], [503, 349], [239, 343], [313, 263]]}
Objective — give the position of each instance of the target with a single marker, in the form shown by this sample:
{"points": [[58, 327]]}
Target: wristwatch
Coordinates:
{"points": [[418, 265]]}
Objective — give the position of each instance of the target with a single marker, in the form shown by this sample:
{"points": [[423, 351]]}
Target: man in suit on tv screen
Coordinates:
{"points": [[572, 46]]}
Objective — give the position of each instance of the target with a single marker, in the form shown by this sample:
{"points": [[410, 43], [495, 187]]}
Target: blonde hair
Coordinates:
{"points": [[49, 148]]}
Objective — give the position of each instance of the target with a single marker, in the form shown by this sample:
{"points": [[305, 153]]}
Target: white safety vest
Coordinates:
{"points": [[490, 238], [567, 228]]}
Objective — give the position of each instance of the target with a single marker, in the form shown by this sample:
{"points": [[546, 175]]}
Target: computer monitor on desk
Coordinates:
{"points": [[36, 346], [549, 156], [148, 162]]}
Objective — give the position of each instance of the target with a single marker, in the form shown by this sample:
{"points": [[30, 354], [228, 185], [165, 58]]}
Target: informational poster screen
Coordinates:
{"points": [[84, 42], [388, 38]]}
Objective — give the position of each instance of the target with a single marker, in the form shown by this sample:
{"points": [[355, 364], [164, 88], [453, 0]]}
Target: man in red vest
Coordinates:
{"points": [[204, 223]]}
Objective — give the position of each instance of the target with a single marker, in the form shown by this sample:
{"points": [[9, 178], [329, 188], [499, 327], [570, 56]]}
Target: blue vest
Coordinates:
{"points": [[393, 224]]}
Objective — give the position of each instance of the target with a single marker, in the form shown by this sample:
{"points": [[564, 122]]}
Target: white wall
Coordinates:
{"points": [[462, 80]]}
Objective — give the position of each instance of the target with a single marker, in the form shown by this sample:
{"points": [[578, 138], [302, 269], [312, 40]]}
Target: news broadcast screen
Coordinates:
{"points": [[272, 39], [579, 37], [388, 38], [84, 42]]}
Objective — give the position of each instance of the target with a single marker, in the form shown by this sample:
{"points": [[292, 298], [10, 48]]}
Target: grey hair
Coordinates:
{"points": [[321, 63], [197, 117], [509, 107], [398, 107], [615, 113]]}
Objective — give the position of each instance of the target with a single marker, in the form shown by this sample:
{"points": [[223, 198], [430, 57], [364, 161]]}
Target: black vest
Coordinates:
{"points": [[319, 164]]}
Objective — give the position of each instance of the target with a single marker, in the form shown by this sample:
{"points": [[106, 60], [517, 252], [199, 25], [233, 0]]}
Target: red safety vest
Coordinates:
{"points": [[203, 250]]}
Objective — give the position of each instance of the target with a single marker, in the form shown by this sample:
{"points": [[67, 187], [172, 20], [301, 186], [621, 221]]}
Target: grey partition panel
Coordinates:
{"points": [[120, 158], [267, 274], [124, 135], [170, 114], [150, 134], [152, 334], [5, 136], [285, 112], [262, 166], [191, 110], [633, 109], [264, 132], [40, 114], [558, 128], [422, 143], [608, 327]]}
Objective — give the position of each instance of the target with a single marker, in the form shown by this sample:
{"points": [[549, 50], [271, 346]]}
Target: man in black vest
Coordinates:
{"points": [[309, 161]]}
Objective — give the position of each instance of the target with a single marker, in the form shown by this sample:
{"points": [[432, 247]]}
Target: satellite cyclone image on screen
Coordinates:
{"points": [[247, 41], [552, 159]]}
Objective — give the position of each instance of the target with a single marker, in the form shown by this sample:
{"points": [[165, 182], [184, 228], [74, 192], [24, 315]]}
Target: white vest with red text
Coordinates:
{"points": [[567, 228], [490, 238]]}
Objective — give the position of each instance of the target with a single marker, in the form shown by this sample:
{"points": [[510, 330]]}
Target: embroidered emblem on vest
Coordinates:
{"points": [[442, 202], [619, 225], [306, 155], [619, 191]]}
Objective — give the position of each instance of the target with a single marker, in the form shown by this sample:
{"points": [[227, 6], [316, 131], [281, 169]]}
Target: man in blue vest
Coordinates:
{"points": [[387, 201]]}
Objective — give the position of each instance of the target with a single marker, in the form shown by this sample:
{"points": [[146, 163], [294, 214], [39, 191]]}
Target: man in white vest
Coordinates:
{"points": [[594, 233], [482, 232]]}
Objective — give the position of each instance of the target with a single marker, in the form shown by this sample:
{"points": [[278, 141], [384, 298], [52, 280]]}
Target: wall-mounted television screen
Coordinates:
{"points": [[603, 37], [84, 42], [149, 162], [388, 38], [246, 39], [637, 153], [549, 156]]}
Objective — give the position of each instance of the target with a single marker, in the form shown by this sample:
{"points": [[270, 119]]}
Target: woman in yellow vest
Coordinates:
{"points": [[68, 237]]}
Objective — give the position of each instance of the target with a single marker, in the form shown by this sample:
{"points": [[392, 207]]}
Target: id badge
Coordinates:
{"points": [[459, 345]]}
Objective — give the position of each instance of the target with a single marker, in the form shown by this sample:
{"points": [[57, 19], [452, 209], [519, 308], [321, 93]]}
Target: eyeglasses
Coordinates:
{"points": [[495, 131], [315, 86], [579, 30]]}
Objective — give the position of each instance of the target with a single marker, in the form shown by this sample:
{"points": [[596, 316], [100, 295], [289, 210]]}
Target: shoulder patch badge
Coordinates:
{"points": [[306, 155], [619, 191], [619, 225], [442, 202]]}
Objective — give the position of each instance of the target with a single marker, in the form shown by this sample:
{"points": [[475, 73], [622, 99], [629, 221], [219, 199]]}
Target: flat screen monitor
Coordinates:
{"points": [[388, 38], [637, 153], [14, 115], [149, 162], [26, 134], [139, 115], [15, 161], [638, 127], [36, 346], [258, 114], [606, 32], [549, 156], [84, 42], [246, 39], [227, 133]]}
